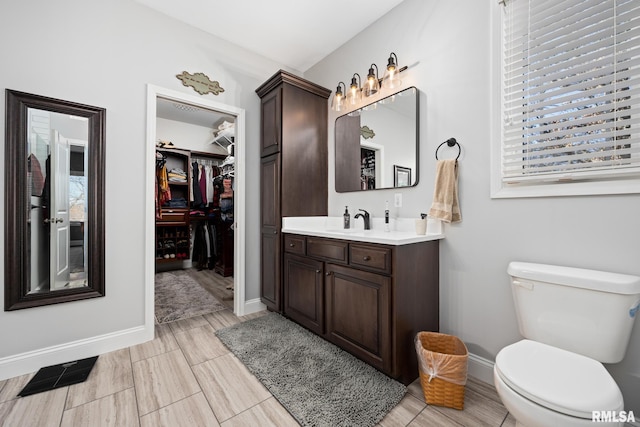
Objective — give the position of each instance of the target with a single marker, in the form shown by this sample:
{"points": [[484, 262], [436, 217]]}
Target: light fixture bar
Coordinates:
{"points": [[373, 85]]}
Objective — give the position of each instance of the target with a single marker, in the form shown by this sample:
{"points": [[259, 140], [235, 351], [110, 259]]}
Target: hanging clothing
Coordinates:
{"points": [[163, 185], [37, 179], [195, 177], [210, 175], [203, 184], [204, 245]]}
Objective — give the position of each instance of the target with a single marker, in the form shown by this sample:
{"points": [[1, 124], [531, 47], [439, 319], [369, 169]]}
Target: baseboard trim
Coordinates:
{"points": [[253, 306], [480, 368], [31, 361]]}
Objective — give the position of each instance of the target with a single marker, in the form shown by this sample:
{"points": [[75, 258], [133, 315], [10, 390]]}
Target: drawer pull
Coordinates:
{"points": [[366, 258]]}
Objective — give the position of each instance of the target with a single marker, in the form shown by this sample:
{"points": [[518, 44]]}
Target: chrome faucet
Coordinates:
{"points": [[365, 217]]}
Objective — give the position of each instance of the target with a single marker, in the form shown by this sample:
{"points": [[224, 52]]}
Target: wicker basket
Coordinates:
{"points": [[450, 351]]}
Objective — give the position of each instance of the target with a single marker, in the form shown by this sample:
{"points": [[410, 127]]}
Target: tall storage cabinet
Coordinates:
{"points": [[293, 168]]}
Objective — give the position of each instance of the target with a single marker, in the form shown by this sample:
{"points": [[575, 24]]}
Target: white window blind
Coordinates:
{"points": [[571, 100]]}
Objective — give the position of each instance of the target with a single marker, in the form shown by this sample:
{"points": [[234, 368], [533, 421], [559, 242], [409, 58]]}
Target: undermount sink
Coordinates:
{"points": [[347, 230]]}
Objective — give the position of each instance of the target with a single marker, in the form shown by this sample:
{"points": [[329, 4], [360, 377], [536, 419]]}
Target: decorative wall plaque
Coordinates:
{"points": [[200, 83], [366, 132]]}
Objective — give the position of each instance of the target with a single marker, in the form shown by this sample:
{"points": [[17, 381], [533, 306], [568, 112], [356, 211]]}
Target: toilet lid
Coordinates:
{"points": [[560, 380]]}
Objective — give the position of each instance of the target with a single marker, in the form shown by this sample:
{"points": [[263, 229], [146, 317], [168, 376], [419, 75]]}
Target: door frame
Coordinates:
{"points": [[239, 203]]}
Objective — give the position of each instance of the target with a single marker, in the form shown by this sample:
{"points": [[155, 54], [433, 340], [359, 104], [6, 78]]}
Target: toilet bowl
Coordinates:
{"points": [[555, 376], [543, 386]]}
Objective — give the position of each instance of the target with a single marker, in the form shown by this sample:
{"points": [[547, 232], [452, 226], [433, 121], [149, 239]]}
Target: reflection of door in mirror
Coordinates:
{"points": [[368, 168], [58, 193], [348, 162]]}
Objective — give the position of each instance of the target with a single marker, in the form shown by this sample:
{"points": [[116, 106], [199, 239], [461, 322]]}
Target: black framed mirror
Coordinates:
{"points": [[377, 146], [54, 201]]}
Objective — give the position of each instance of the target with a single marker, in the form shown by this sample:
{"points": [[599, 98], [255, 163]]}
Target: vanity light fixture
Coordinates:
{"points": [[372, 86], [338, 102], [391, 78], [355, 92]]}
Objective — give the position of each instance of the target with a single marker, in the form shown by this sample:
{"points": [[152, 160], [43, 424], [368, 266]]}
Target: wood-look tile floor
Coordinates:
{"points": [[220, 287], [187, 377]]}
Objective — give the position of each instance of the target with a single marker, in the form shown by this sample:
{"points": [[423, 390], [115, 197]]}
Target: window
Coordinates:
{"points": [[571, 96]]}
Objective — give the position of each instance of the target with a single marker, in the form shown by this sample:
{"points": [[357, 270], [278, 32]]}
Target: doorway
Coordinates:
{"points": [[155, 93]]}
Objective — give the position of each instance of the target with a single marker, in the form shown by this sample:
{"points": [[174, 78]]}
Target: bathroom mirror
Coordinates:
{"points": [[54, 201], [376, 146]]}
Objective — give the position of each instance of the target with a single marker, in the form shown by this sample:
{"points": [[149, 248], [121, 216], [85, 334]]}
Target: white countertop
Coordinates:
{"points": [[402, 230]]}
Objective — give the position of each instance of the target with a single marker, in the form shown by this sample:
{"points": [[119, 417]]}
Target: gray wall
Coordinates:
{"points": [[105, 54], [448, 47]]}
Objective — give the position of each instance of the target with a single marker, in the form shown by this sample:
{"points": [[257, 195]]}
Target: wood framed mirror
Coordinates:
{"points": [[54, 201]]}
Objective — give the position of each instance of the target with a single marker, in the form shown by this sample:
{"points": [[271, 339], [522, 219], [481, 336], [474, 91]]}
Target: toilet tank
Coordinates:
{"points": [[584, 311]]}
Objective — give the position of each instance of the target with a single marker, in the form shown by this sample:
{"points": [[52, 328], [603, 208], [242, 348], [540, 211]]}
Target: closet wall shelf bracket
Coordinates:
{"points": [[224, 138]]}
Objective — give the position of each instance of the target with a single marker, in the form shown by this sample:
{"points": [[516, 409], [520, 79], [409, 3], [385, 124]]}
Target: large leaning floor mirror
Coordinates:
{"points": [[54, 201]]}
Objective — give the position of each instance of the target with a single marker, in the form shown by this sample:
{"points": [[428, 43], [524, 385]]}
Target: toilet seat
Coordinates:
{"points": [[557, 379]]}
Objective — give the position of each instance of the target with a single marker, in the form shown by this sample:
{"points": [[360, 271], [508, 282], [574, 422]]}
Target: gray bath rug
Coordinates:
{"points": [[318, 383], [178, 296]]}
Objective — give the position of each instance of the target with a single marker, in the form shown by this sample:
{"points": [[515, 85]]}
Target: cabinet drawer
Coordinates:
{"points": [[370, 257], [174, 216], [332, 250], [294, 244]]}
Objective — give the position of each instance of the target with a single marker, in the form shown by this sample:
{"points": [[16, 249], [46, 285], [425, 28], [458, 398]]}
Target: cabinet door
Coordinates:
{"points": [[358, 305], [270, 232], [303, 291], [271, 122]]}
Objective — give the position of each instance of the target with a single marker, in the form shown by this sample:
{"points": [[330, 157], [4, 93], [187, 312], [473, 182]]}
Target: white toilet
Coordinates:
{"points": [[572, 319]]}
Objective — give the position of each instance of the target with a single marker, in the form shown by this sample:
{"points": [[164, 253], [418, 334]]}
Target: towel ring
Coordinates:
{"points": [[450, 143]]}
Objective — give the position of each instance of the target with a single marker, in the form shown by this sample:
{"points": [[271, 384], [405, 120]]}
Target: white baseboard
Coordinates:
{"points": [[480, 368], [31, 361], [253, 306]]}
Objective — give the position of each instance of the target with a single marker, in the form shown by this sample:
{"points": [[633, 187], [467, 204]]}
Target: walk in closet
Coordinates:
{"points": [[195, 192]]}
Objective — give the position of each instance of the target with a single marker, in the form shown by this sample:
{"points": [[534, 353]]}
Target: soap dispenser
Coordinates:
{"points": [[386, 216], [347, 218]]}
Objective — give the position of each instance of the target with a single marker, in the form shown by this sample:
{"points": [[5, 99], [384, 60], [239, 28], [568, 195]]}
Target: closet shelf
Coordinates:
{"points": [[225, 137]]}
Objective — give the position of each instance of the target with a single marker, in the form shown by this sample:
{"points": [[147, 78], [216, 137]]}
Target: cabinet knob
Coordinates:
{"points": [[275, 232], [318, 271], [328, 273], [292, 245], [366, 258]]}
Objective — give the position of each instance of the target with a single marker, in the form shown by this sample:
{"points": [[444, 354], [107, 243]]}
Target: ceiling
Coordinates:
{"points": [[296, 33], [181, 112]]}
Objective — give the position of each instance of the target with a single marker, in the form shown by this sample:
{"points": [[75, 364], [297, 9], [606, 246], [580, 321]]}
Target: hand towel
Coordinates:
{"points": [[445, 194]]}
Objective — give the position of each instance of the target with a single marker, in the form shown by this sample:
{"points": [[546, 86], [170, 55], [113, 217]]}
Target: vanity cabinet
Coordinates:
{"points": [[303, 291], [369, 299], [293, 129], [358, 311]]}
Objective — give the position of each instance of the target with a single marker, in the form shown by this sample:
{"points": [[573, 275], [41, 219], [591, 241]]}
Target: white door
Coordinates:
{"points": [[59, 210]]}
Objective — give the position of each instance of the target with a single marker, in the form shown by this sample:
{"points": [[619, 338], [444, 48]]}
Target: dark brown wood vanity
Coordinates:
{"points": [[369, 299]]}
